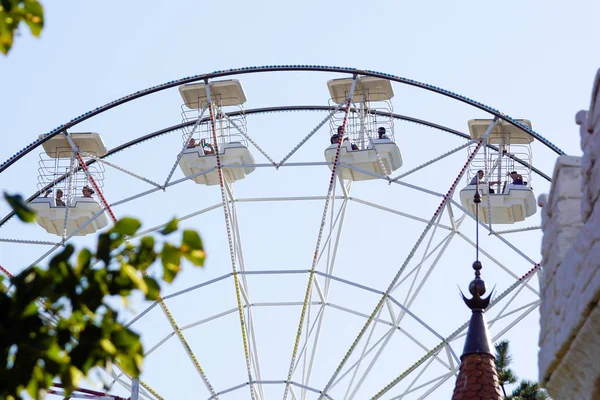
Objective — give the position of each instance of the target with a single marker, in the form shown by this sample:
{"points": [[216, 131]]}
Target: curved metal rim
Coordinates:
{"points": [[265, 110], [275, 68]]}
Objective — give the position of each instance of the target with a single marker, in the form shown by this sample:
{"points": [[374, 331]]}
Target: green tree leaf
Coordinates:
{"points": [[108, 346], [196, 257], [34, 16], [12, 13], [170, 227], [57, 322], [126, 226], [171, 260], [153, 292], [84, 259], [192, 240], [135, 276], [16, 202], [103, 248]]}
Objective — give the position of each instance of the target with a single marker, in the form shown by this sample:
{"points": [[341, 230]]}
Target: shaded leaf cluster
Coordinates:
{"points": [[56, 322], [12, 13], [527, 390]]}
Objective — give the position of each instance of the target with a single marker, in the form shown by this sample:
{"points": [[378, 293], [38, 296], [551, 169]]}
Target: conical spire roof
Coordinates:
{"points": [[477, 378]]}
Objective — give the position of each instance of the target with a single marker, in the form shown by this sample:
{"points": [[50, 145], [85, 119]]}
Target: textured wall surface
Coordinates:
{"points": [[569, 357]]}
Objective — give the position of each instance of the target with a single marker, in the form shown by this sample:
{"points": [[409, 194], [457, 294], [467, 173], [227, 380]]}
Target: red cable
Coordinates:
{"points": [[85, 168], [6, 272]]}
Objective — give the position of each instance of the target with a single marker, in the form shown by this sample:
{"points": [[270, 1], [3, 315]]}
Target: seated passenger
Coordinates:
{"points": [[207, 147], [517, 179], [191, 144], [58, 199], [336, 137], [381, 133], [87, 191], [477, 179], [353, 145]]}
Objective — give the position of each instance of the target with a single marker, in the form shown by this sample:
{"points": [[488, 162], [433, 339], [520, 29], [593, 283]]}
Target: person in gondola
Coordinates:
{"points": [[517, 179], [191, 144], [207, 147], [87, 191], [353, 146], [336, 137], [58, 199], [477, 179], [381, 133]]}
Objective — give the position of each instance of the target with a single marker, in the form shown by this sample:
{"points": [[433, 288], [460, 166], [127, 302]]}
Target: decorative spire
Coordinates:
{"points": [[477, 336], [477, 378]]}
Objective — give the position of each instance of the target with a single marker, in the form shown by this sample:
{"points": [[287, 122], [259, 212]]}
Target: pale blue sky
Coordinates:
{"points": [[532, 60]]}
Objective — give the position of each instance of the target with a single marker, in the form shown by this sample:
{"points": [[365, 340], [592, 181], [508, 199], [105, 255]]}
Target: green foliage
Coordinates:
{"points": [[24, 213], [12, 13], [503, 359], [527, 390], [57, 323]]}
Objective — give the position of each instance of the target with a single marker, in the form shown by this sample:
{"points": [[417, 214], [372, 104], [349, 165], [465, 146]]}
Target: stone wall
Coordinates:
{"points": [[569, 357]]}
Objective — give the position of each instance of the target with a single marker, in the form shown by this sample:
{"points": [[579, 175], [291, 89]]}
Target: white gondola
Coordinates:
{"points": [[194, 161], [58, 166], [52, 217], [200, 157], [364, 154], [514, 204], [505, 203], [366, 160]]}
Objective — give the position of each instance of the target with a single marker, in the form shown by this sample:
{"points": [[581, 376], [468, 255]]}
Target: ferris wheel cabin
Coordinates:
{"points": [[504, 183], [368, 149], [70, 208], [199, 158]]}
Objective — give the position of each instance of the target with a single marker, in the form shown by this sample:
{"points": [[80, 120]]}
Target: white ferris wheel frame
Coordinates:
{"points": [[397, 310]]}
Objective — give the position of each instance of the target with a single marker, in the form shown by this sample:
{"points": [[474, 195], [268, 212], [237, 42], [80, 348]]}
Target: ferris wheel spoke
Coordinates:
{"points": [[188, 350], [397, 320], [527, 311], [230, 240], [440, 208], [379, 342], [310, 330], [187, 137], [508, 303], [330, 190], [249, 320], [144, 389], [434, 160], [453, 336], [335, 226], [162, 303], [118, 168], [529, 228], [313, 131], [438, 381], [410, 299], [24, 241], [395, 212], [495, 261], [248, 138], [349, 396], [427, 256], [416, 379], [502, 239]]}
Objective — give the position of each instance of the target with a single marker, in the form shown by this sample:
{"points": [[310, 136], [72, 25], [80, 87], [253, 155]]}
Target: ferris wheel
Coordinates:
{"points": [[335, 241]]}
